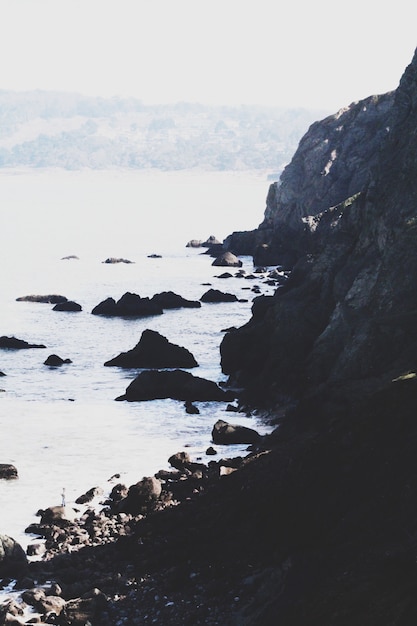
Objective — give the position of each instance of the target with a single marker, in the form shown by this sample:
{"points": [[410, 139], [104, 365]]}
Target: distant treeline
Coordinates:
{"points": [[71, 131]]}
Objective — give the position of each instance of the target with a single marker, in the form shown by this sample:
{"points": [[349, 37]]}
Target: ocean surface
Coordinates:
{"points": [[61, 427]]}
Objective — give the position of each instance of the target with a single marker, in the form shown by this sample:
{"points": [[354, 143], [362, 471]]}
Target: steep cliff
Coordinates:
{"points": [[333, 162], [345, 212], [318, 527]]}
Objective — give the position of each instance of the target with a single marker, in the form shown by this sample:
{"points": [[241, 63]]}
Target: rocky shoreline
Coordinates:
{"points": [[86, 569]]}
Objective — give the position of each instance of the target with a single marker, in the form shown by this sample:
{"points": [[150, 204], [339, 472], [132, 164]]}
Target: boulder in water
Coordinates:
{"points": [[13, 560], [154, 351], [175, 384]]}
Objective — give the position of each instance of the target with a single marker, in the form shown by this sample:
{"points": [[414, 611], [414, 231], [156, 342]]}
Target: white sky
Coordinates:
{"points": [[295, 53]]}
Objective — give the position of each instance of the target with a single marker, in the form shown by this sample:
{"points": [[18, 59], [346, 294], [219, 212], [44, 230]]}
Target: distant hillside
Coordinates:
{"points": [[52, 129]]}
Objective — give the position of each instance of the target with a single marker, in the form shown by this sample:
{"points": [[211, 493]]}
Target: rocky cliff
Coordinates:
{"points": [[344, 217], [332, 163], [318, 525]]}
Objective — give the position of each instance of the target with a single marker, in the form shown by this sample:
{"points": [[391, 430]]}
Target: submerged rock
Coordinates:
{"points": [[12, 343], [49, 299]]}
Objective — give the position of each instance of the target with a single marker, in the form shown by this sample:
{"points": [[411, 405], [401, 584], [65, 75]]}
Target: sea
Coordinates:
{"points": [[62, 427]]}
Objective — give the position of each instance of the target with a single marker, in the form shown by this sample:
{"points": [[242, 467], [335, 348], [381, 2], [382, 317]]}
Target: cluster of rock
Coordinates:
{"points": [[61, 302], [62, 586], [129, 305], [208, 243], [133, 305], [44, 299], [342, 218]]}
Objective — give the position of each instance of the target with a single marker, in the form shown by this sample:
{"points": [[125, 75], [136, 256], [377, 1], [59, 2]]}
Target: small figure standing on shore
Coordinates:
{"points": [[63, 496]]}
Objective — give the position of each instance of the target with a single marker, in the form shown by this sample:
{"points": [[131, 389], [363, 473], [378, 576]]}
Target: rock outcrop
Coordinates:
{"points": [[345, 218], [333, 162], [215, 295], [54, 360], [69, 305], [13, 343], [227, 259], [154, 351], [129, 305], [13, 560], [175, 384], [48, 299], [226, 434], [171, 300]]}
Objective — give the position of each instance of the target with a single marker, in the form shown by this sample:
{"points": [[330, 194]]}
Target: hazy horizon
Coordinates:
{"points": [[217, 53]]}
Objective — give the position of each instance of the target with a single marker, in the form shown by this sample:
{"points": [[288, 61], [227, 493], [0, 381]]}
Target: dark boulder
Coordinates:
{"points": [[179, 460], [154, 351], [54, 360], [49, 299], [214, 295], [13, 560], [171, 300], [8, 471], [70, 305], [141, 496], [191, 409], [85, 610], [89, 495], [227, 259], [106, 307], [118, 492], [175, 384], [12, 343], [57, 515], [224, 433], [215, 251], [129, 305]]}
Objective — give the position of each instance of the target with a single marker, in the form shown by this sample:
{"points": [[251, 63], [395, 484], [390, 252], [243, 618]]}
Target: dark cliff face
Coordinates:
{"points": [[345, 210]]}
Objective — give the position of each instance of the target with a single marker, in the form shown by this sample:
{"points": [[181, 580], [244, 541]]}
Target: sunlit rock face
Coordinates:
{"points": [[332, 163], [344, 215]]}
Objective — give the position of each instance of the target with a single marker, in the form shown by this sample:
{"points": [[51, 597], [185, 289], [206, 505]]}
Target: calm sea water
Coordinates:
{"points": [[61, 427]]}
